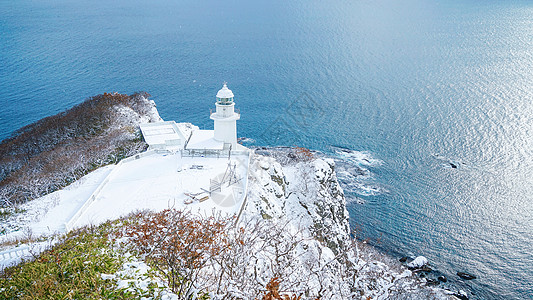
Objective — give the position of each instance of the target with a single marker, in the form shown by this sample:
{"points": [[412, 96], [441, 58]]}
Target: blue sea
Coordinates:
{"points": [[426, 104]]}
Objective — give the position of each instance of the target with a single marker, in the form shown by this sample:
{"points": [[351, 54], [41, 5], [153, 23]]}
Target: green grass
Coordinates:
{"points": [[70, 270]]}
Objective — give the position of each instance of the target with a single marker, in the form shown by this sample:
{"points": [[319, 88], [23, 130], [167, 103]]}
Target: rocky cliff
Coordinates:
{"points": [[299, 191]]}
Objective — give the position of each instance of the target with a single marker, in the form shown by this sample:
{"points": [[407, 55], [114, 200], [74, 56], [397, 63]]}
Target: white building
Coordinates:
{"points": [[163, 135], [225, 118], [171, 136]]}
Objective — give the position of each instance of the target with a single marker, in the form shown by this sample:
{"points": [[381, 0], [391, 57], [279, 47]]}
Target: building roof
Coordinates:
{"points": [[204, 140], [224, 92], [161, 133]]}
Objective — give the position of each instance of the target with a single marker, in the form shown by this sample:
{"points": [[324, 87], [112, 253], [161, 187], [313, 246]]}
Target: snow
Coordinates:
{"points": [[161, 133], [224, 92], [418, 262], [161, 181], [297, 198], [186, 129], [152, 182], [306, 194], [204, 139], [135, 275], [48, 214]]}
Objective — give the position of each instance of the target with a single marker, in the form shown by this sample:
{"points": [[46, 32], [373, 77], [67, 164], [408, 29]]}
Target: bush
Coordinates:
{"points": [[179, 245]]}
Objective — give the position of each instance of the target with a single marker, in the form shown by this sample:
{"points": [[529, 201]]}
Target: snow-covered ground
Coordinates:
{"points": [[152, 182], [161, 181], [302, 201]]}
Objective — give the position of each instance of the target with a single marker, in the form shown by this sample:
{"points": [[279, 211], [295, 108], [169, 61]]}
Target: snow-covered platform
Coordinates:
{"points": [[166, 180]]}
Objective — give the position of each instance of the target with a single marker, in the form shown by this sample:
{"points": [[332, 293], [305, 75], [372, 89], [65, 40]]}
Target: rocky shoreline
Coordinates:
{"points": [[419, 266], [324, 205]]}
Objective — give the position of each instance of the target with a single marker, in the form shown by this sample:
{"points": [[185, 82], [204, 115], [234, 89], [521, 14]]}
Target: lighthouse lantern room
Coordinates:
{"points": [[225, 118]]}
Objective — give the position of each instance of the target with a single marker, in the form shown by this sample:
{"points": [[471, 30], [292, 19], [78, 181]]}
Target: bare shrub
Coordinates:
{"points": [[304, 154], [179, 245], [257, 259]]}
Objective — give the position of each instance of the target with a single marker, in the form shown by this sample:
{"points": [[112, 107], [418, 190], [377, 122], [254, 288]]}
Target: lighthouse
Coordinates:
{"points": [[225, 118]]}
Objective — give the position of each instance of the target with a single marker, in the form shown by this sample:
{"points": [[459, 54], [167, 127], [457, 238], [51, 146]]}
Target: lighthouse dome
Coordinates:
{"points": [[224, 92]]}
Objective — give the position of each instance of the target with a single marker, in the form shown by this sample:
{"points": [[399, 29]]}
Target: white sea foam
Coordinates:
{"points": [[354, 172]]}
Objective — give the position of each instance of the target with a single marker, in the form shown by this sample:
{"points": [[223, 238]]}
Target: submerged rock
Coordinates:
{"points": [[466, 276], [432, 282], [425, 269]]}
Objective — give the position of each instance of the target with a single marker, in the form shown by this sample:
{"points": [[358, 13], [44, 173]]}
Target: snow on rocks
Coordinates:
{"points": [[307, 196], [418, 262], [137, 277]]}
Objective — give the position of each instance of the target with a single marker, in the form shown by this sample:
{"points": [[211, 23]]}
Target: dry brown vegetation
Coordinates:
{"points": [[55, 151], [210, 255], [178, 244]]}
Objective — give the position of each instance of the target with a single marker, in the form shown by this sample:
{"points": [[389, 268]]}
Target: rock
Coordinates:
{"points": [[461, 295], [425, 269], [418, 263], [466, 276], [442, 278], [404, 259], [264, 165], [432, 282]]}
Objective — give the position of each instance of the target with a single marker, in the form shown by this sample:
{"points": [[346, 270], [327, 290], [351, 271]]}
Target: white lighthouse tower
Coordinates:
{"points": [[225, 118]]}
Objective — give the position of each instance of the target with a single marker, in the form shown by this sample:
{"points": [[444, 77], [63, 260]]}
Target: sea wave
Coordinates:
{"points": [[354, 173]]}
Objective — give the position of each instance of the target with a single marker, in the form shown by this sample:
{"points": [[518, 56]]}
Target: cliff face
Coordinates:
{"points": [[292, 237], [302, 195], [306, 191]]}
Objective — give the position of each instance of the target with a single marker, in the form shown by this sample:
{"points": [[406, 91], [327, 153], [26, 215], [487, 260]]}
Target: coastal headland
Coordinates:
{"points": [[89, 207]]}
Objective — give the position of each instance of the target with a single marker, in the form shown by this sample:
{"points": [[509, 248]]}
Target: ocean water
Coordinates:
{"points": [[398, 91]]}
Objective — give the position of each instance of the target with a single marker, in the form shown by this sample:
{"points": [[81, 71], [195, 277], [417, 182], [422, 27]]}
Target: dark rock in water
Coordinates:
{"points": [[461, 296], [442, 278], [432, 282], [361, 171], [466, 276], [425, 268], [404, 259], [454, 166]]}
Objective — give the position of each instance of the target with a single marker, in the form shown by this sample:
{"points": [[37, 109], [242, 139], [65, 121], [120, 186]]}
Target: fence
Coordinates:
{"points": [[15, 252], [24, 250], [205, 153], [250, 153], [69, 225]]}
